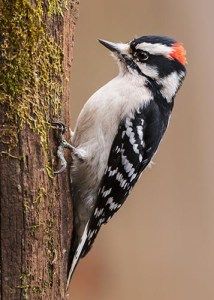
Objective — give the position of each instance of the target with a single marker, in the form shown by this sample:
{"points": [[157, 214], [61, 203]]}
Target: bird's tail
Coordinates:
{"points": [[75, 255]]}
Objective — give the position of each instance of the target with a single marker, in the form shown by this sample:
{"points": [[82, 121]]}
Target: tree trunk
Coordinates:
{"points": [[36, 52]]}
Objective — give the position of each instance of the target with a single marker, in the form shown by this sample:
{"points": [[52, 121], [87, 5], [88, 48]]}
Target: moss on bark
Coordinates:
{"points": [[31, 68]]}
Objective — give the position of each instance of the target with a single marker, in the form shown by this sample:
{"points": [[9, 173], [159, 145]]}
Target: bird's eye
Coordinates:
{"points": [[144, 55], [141, 55]]}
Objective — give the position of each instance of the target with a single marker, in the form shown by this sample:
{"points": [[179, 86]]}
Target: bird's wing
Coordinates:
{"points": [[134, 145]]}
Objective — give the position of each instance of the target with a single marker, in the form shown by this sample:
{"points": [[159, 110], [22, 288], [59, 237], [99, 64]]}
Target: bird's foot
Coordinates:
{"points": [[63, 144], [59, 127]]}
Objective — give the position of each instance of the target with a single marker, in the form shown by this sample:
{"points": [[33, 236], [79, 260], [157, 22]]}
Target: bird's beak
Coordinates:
{"points": [[118, 48]]}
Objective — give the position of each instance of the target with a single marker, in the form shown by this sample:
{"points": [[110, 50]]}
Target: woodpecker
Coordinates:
{"points": [[118, 132]]}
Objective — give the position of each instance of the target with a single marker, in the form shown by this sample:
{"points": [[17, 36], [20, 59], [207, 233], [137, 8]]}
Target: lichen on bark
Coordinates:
{"points": [[31, 68]]}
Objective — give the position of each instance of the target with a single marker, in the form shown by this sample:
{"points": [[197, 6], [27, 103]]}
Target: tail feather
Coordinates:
{"points": [[75, 255]]}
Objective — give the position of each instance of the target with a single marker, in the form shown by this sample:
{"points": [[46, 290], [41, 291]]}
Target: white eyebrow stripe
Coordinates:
{"points": [[155, 48]]}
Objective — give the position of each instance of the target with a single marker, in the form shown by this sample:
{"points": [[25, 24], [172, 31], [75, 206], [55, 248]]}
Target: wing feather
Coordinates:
{"points": [[134, 145]]}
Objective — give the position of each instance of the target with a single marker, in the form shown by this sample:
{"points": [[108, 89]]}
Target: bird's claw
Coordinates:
{"points": [[79, 153], [59, 126], [63, 162], [60, 130]]}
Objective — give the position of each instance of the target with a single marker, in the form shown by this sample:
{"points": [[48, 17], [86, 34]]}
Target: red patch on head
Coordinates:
{"points": [[178, 52]]}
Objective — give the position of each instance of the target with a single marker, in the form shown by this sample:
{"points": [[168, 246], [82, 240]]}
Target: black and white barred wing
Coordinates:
{"points": [[133, 147]]}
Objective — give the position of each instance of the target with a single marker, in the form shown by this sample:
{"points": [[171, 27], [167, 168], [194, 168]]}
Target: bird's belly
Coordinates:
{"points": [[86, 176], [96, 128], [97, 149]]}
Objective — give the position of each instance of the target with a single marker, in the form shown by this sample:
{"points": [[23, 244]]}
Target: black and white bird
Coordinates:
{"points": [[118, 132]]}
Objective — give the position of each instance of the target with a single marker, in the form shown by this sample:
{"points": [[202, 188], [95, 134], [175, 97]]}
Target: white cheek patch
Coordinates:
{"points": [[150, 71], [170, 85], [155, 49]]}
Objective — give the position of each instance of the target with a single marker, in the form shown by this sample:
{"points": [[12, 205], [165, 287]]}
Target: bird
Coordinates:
{"points": [[118, 132]]}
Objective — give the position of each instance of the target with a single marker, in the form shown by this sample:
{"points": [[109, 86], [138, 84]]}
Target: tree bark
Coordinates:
{"points": [[36, 53]]}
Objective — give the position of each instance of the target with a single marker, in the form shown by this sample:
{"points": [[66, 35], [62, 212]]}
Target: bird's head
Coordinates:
{"points": [[154, 57]]}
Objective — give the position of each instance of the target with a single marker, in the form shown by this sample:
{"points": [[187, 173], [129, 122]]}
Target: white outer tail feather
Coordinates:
{"points": [[77, 254]]}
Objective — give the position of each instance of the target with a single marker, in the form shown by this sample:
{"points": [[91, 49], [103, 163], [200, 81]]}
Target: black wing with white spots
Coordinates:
{"points": [[134, 145]]}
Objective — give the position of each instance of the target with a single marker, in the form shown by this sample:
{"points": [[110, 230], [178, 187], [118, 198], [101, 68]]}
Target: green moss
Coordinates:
{"points": [[34, 207], [35, 204], [40, 196], [57, 7], [26, 287], [31, 69], [10, 155], [34, 227], [50, 249]]}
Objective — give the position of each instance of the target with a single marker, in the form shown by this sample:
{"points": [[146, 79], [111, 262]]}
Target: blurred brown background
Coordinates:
{"points": [[160, 246]]}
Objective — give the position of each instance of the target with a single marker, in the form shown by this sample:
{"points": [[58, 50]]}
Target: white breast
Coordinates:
{"points": [[99, 119]]}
